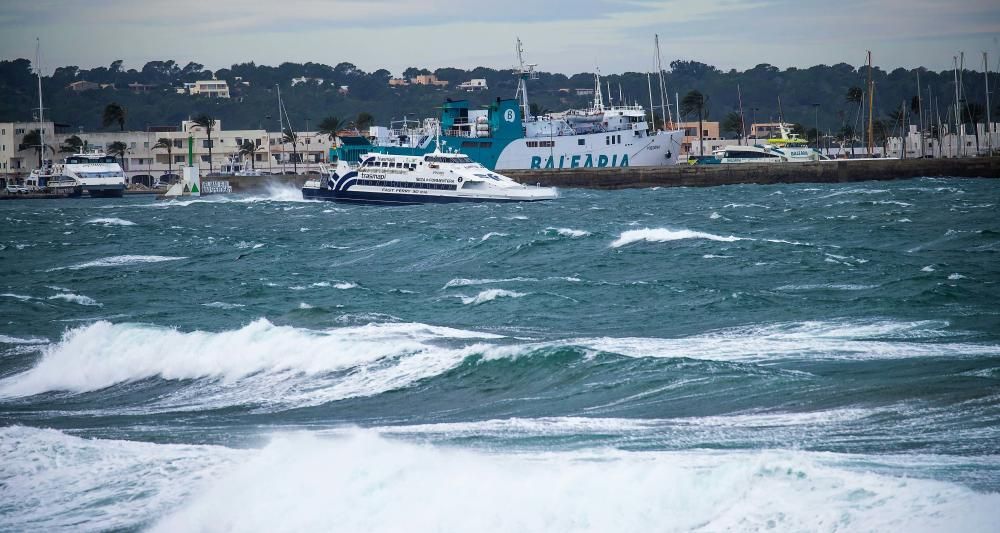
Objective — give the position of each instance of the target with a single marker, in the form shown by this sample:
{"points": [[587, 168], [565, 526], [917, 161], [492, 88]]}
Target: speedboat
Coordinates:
{"points": [[415, 179]]}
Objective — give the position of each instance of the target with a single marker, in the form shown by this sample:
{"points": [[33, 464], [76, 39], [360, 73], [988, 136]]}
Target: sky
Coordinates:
{"points": [[566, 36]]}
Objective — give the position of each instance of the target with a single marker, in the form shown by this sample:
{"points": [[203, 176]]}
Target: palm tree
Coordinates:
{"points": [[364, 120], [854, 95], [33, 139], [734, 123], [694, 101], [289, 136], [975, 112], [249, 148], [208, 123], [118, 149], [329, 126], [164, 143], [114, 113], [73, 145]]}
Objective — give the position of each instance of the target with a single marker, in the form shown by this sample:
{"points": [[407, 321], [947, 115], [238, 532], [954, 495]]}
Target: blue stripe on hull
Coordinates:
{"points": [[390, 199]]}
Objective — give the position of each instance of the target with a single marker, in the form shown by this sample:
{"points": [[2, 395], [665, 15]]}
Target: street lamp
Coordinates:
{"points": [[816, 110]]}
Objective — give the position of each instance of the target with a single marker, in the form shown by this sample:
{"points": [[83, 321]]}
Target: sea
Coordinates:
{"points": [[737, 358]]}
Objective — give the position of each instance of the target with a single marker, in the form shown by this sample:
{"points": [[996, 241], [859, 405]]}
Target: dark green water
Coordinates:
{"points": [[811, 358]]}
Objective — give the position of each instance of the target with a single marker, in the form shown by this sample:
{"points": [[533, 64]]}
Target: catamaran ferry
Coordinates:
{"points": [[411, 179], [96, 173]]}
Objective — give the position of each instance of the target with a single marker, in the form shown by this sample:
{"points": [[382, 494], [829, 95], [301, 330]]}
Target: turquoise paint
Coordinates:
{"points": [[602, 160], [589, 162], [549, 163], [536, 162], [574, 162]]}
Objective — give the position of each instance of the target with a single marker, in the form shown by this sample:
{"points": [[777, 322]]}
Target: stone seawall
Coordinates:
{"points": [[708, 175]]}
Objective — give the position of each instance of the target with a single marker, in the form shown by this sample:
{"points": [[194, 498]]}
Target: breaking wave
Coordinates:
{"points": [[489, 295], [663, 235], [119, 260], [111, 221]]}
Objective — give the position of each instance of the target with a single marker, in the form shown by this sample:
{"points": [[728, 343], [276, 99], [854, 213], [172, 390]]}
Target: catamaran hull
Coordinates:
{"points": [[376, 198], [105, 191]]}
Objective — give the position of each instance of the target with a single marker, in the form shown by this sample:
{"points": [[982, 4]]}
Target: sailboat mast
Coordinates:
{"points": [[652, 110], [743, 123], [958, 130], [989, 125], [871, 102], [920, 112], [41, 108], [664, 109]]}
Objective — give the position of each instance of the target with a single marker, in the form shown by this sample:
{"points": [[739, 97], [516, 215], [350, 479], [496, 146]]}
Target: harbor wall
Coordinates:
{"points": [[766, 173]]}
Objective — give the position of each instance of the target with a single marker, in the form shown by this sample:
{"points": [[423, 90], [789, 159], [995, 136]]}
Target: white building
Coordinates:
{"points": [[213, 88], [476, 84], [144, 164]]}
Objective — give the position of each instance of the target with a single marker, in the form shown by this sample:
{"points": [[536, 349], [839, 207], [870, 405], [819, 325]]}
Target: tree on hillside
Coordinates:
{"points": [[364, 120], [164, 143], [118, 149], [734, 123], [537, 110], [72, 145], [249, 149], [290, 137], [329, 126], [695, 102], [208, 123], [33, 139], [114, 113]]}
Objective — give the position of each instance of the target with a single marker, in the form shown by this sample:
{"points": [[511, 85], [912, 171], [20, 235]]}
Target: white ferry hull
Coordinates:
{"points": [[596, 150]]}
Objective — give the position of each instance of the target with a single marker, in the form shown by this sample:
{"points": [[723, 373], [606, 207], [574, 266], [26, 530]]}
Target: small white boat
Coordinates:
{"points": [[415, 179]]}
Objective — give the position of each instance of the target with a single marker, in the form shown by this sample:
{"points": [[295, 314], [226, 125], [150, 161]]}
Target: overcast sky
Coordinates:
{"points": [[565, 36]]}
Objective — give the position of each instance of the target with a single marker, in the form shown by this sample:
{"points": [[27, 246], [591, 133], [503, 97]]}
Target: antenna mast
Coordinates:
{"points": [[871, 102], [652, 110], [525, 71], [41, 109]]}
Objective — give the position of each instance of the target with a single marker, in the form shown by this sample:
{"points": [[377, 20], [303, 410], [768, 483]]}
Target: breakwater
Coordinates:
{"points": [[766, 173]]}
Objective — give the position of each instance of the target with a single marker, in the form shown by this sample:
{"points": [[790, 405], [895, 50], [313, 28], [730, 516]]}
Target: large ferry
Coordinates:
{"points": [[414, 179], [95, 173], [506, 136]]}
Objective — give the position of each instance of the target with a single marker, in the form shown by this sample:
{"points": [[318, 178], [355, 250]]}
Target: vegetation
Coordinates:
{"points": [[290, 137], [249, 149], [695, 102], [164, 143], [208, 123], [118, 149], [73, 145], [33, 139], [329, 126], [114, 114], [734, 123], [838, 89]]}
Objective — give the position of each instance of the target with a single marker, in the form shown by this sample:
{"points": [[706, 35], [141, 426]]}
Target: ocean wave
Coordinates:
{"points": [[464, 282], [223, 305], [259, 364], [569, 232], [664, 235], [119, 260], [76, 298], [110, 221], [22, 297], [810, 340], [358, 481], [489, 295], [492, 234], [6, 339]]}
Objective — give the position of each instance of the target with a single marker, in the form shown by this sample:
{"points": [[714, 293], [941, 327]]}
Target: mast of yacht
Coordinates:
{"points": [[743, 123], [871, 103], [524, 72], [41, 108], [652, 111], [958, 130], [989, 126], [920, 113], [598, 92], [664, 108]]}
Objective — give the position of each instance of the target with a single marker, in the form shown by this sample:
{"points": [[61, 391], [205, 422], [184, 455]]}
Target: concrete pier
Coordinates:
{"points": [[683, 175]]}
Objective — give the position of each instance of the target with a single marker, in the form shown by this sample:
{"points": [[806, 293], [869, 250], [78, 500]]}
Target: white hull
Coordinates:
{"points": [[623, 148]]}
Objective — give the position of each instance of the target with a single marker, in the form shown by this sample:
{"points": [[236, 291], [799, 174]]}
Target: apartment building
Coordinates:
{"points": [[16, 159], [213, 88]]}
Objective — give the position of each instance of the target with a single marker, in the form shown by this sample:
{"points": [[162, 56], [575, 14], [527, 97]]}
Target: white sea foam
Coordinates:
{"points": [[76, 298], [569, 232], [111, 221], [304, 306], [811, 340], [955, 276], [928, 268], [489, 295], [223, 305], [344, 285], [6, 339], [463, 282], [119, 260], [493, 234], [358, 481], [828, 286], [22, 297], [260, 363], [664, 235]]}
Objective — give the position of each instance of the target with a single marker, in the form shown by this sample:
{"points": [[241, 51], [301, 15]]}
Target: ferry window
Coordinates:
{"points": [[580, 142], [619, 139]]}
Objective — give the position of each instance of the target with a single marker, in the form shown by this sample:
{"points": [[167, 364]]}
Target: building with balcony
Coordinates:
{"points": [[475, 84], [212, 88]]}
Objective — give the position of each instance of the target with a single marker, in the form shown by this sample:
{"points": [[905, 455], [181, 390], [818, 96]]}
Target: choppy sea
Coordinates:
{"points": [[740, 358]]}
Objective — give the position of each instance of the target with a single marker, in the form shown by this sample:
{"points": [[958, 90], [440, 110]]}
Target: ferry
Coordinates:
{"points": [[437, 177], [506, 136], [95, 172]]}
